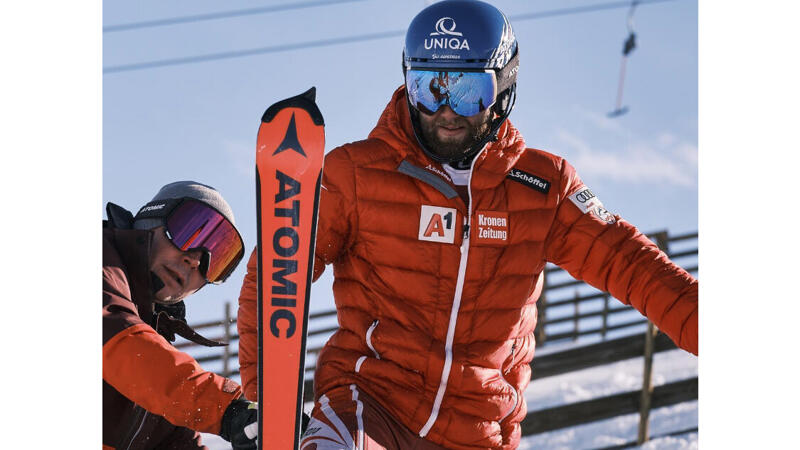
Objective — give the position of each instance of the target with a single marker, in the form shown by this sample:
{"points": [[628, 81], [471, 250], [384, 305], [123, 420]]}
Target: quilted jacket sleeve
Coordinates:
{"points": [[335, 230], [247, 324], [612, 255], [145, 368], [338, 221], [148, 370]]}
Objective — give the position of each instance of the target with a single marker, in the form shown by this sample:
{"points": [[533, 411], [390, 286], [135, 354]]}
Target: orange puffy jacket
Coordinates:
{"points": [[436, 299]]}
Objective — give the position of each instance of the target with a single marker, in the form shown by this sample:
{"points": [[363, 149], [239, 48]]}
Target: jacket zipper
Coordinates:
{"points": [[451, 328], [513, 347], [513, 389], [369, 338], [136, 427], [516, 397]]}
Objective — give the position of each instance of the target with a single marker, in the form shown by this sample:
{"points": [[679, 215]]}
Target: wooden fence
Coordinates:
{"points": [[569, 310]]}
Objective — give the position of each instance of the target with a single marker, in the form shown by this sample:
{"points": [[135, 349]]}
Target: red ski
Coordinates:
{"points": [[289, 156]]}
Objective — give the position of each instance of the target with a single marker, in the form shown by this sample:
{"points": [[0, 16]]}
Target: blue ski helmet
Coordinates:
{"points": [[464, 35]]}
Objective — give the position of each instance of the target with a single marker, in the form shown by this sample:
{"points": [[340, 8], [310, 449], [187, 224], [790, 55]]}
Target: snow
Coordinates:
{"points": [[623, 429], [609, 379]]}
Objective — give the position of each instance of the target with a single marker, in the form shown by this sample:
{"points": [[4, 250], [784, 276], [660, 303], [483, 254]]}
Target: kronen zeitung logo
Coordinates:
{"points": [[451, 39], [491, 228]]}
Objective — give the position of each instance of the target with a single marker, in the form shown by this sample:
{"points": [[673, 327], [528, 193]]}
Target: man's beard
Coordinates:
{"points": [[451, 149]]}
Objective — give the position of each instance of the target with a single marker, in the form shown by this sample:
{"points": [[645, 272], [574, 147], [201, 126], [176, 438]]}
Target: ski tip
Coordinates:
{"points": [[310, 94], [306, 101]]}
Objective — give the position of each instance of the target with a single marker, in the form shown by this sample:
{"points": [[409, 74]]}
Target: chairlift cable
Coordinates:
{"points": [[176, 61]]}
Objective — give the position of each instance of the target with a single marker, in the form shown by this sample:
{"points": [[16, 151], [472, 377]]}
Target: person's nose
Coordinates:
{"points": [[445, 112], [192, 258]]}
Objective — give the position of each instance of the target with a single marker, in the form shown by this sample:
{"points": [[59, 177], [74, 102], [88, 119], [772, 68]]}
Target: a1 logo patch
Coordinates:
{"points": [[437, 224], [490, 228]]}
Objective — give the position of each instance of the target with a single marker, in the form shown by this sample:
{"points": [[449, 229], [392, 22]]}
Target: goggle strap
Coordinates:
{"points": [[507, 76], [158, 208], [205, 261]]}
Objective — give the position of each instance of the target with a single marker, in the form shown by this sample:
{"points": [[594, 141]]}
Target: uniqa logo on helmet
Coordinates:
{"points": [[452, 40]]}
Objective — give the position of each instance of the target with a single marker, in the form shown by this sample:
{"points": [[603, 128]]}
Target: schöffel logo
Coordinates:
{"points": [[437, 171], [452, 40], [530, 180]]}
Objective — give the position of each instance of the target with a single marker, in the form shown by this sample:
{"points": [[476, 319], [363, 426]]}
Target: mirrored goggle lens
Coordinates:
{"points": [[195, 225], [466, 93]]}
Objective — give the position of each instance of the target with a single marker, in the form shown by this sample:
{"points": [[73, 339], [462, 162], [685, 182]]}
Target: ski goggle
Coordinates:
{"points": [[191, 225], [466, 93]]}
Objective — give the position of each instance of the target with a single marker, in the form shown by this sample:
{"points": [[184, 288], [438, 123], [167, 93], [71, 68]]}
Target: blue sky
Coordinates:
{"points": [[198, 121]]}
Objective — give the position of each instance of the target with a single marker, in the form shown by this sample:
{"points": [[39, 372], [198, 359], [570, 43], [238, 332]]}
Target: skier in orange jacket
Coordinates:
{"points": [[438, 227]]}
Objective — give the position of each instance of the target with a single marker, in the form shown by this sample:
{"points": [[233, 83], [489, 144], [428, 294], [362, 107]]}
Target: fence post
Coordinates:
{"points": [[647, 385], [575, 311], [604, 330], [662, 241], [541, 310], [226, 352]]}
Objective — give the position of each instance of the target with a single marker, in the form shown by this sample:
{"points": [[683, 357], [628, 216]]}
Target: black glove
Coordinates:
{"points": [[240, 424], [176, 310], [306, 419], [241, 420]]}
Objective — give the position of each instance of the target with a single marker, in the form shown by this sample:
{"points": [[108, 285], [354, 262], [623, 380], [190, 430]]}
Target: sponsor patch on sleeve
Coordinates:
{"points": [[528, 179], [437, 224], [587, 202]]}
